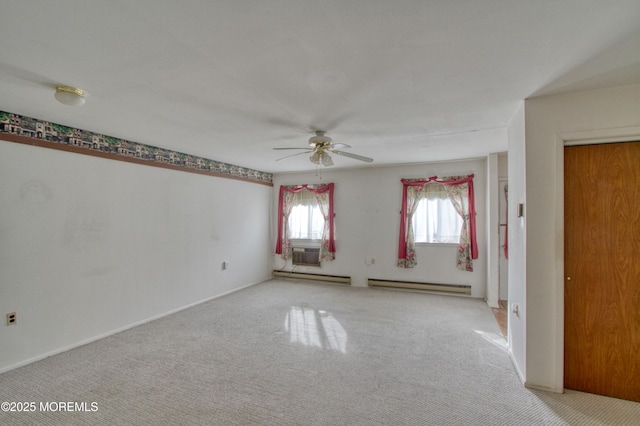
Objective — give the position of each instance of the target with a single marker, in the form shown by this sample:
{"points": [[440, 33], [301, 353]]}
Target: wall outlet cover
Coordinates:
{"points": [[12, 318]]}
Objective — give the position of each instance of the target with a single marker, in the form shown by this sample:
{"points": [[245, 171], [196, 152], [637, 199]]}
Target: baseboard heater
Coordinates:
{"points": [[315, 277], [408, 285]]}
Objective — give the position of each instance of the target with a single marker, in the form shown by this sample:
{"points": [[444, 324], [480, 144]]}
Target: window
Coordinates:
{"points": [[306, 222], [436, 221], [306, 212]]}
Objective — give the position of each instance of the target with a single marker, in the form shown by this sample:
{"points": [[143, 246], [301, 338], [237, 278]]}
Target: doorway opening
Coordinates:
{"points": [[500, 312]]}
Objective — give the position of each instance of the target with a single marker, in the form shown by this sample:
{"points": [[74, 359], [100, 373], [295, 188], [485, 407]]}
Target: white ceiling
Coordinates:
{"points": [[401, 81]]}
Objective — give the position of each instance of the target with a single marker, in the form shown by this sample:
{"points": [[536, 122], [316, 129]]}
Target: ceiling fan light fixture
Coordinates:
{"points": [[321, 146], [70, 96], [326, 159], [320, 139], [315, 158], [321, 158]]}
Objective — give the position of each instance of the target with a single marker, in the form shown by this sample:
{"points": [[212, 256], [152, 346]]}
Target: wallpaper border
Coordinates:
{"points": [[31, 131]]}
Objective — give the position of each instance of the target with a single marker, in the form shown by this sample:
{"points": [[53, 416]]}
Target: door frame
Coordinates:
{"points": [[501, 241], [589, 137], [492, 287]]}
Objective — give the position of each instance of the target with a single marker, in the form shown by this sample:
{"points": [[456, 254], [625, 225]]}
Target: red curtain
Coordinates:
{"points": [[316, 190]]}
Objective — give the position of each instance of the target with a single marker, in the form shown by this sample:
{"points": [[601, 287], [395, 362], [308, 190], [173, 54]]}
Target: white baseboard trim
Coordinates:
{"points": [[529, 385], [543, 388], [515, 366], [119, 330]]}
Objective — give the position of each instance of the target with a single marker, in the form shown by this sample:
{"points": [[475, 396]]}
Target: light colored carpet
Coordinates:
{"points": [[285, 353]]}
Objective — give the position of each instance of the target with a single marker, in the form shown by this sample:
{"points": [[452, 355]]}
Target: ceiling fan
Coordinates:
{"points": [[320, 146]]}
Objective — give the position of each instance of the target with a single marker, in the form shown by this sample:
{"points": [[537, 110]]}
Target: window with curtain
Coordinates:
{"points": [[306, 221], [420, 194], [436, 220], [306, 212]]}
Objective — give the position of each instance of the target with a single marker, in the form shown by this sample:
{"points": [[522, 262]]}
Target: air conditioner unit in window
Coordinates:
{"points": [[305, 256]]}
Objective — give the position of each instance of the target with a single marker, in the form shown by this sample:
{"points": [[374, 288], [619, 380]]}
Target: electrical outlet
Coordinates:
{"points": [[12, 318]]}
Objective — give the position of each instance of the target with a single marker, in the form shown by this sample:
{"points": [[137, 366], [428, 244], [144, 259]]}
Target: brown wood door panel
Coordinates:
{"points": [[602, 269]]}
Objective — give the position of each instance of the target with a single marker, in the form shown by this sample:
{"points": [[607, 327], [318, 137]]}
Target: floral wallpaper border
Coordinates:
{"points": [[54, 135]]}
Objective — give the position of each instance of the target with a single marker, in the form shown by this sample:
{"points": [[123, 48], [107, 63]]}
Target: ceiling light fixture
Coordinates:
{"points": [[319, 142], [315, 158], [320, 139], [69, 95], [321, 158], [326, 160]]}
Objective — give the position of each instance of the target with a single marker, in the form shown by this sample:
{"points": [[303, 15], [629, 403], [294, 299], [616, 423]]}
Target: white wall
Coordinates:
{"points": [[89, 246], [517, 243], [367, 205], [503, 166], [606, 114]]}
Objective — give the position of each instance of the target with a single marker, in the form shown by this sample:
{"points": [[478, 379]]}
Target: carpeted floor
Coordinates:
{"points": [[285, 353]]}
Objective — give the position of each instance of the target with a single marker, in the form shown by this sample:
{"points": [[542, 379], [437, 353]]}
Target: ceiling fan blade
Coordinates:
{"points": [[280, 149], [19, 76], [281, 122], [293, 155], [354, 156], [340, 145], [335, 122]]}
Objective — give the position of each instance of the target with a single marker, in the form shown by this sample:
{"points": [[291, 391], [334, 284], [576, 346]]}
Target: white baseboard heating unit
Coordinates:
{"points": [[408, 285], [315, 277]]}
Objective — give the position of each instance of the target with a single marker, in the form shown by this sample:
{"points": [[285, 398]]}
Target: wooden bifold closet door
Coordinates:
{"points": [[602, 269]]}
